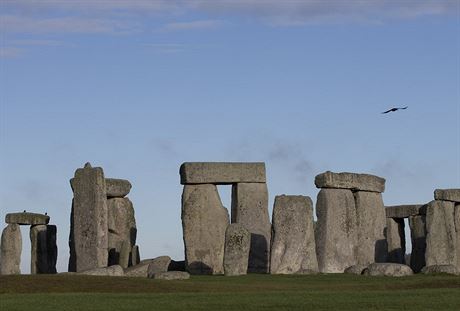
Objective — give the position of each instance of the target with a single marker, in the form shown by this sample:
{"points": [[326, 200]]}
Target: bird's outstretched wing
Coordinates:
{"points": [[388, 111], [404, 107]]}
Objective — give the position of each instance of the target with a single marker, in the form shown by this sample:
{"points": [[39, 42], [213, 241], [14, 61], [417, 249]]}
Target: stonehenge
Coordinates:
{"points": [[103, 227], [354, 232], [43, 255]]}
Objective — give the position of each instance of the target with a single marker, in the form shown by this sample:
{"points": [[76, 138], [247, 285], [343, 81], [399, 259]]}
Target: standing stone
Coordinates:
{"points": [[336, 230], [43, 249], [371, 216], [237, 246], [441, 236], [122, 230], [293, 240], [89, 229], [10, 250], [204, 220], [457, 229], [396, 240], [250, 209], [135, 255], [125, 255], [418, 237]]}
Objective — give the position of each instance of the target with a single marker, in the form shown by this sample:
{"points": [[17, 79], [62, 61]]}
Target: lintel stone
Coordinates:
{"points": [[404, 211], [352, 181], [222, 173], [447, 195], [27, 219]]}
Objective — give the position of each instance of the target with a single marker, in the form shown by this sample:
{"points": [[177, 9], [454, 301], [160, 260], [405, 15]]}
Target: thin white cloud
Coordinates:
{"points": [[193, 25], [24, 24]]}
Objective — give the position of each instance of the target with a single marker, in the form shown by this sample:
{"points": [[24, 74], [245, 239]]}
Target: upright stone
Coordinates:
{"points": [[122, 229], [293, 240], [396, 240], [250, 209], [370, 212], [441, 238], [10, 250], [43, 249], [457, 229], [336, 230], [135, 255], [89, 232], [418, 237], [204, 220], [237, 246]]}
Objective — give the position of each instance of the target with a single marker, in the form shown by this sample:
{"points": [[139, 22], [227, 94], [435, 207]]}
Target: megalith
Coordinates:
{"points": [[417, 226], [10, 250], [121, 229], [336, 230], [237, 246], [370, 212], [43, 249], [250, 209], [396, 240], [204, 221], [441, 237], [457, 229], [293, 240], [89, 224]]}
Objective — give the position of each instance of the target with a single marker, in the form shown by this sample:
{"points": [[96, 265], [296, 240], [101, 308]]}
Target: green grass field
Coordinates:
{"points": [[252, 292]]}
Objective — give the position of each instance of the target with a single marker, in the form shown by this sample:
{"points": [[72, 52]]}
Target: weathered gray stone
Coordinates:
{"points": [[446, 269], [418, 237], [250, 209], [222, 173], [122, 231], [457, 229], [43, 249], [396, 240], [336, 230], [158, 265], [356, 269], [172, 275], [447, 195], [140, 269], [441, 237], [388, 269], [135, 255], [117, 188], [89, 228], [115, 270], [293, 239], [204, 220], [10, 250], [353, 181], [237, 246], [26, 218], [404, 211], [370, 212]]}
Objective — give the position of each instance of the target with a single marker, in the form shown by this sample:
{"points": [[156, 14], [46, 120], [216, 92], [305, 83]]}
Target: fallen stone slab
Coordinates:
{"points": [[172, 275], [447, 195], [140, 269], [222, 173], [352, 181], [10, 250], [388, 269], [237, 246], [115, 270], [356, 269], [293, 239], [435, 269], [336, 230], [117, 188], [204, 221], [158, 265], [26, 218], [250, 209], [404, 211]]}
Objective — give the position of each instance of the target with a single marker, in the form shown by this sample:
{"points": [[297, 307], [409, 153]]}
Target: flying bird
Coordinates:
{"points": [[395, 109]]}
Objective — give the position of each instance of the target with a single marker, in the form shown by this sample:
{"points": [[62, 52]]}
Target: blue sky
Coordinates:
{"points": [[138, 87]]}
